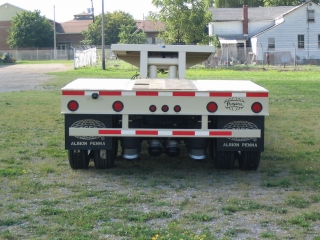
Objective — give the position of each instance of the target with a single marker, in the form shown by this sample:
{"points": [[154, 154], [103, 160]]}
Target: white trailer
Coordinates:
{"points": [[225, 117]]}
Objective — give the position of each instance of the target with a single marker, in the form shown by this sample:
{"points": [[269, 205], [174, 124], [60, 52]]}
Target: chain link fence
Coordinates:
{"points": [[39, 54], [285, 57], [227, 57]]}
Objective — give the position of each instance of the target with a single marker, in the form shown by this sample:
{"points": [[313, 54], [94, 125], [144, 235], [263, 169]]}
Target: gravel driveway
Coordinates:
{"points": [[26, 76]]}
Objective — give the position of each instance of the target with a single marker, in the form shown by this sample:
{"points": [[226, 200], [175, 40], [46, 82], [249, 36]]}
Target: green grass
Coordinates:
{"points": [[161, 198]]}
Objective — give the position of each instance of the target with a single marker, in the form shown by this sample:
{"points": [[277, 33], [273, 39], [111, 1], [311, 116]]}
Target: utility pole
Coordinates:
{"points": [[54, 34], [102, 40], [92, 11]]}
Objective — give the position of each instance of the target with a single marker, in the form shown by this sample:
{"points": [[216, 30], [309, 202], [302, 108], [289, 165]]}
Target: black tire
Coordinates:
{"points": [[78, 159], [103, 159], [212, 149], [249, 160], [224, 159], [115, 148]]}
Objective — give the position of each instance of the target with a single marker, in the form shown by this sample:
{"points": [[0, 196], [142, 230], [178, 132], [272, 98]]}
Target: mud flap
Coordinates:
{"points": [[243, 143], [87, 121]]}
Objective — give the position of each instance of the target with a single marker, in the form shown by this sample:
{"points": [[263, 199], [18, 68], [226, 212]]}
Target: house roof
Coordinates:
{"points": [[150, 26], [285, 13], [73, 26], [233, 37], [254, 13]]}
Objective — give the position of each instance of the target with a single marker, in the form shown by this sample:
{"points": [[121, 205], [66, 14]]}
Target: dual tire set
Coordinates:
{"points": [[104, 159], [248, 160]]}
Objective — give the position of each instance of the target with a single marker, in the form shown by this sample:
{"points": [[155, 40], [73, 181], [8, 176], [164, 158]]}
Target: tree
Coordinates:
{"points": [[29, 30], [209, 3], [113, 23], [286, 2], [132, 35], [186, 21], [238, 3]]}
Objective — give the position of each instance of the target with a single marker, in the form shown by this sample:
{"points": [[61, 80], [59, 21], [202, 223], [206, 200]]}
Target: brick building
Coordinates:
{"points": [[69, 33], [7, 11]]}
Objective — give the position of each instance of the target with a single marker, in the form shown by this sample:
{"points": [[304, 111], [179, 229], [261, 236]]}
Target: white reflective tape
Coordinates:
{"points": [[128, 132], [89, 93], [239, 95], [128, 93], [202, 94], [165, 94], [202, 133], [165, 133]]}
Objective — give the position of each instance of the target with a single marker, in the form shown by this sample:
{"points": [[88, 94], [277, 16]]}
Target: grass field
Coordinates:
{"points": [[161, 198]]}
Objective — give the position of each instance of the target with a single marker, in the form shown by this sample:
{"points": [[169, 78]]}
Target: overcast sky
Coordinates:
{"points": [[65, 9]]}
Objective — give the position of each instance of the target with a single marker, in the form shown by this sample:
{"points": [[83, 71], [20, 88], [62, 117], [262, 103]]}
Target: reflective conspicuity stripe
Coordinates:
{"points": [[73, 93], [183, 94], [110, 132], [110, 93], [167, 94], [147, 94], [221, 133], [258, 94], [253, 133]]}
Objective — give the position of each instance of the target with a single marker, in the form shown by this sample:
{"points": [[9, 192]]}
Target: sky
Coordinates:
{"points": [[65, 9]]}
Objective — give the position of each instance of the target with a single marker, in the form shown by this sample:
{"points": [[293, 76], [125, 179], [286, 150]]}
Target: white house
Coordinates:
{"points": [[284, 30]]}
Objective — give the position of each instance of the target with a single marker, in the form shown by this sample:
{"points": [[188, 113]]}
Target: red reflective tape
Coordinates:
{"points": [[220, 133], [184, 133], [183, 94], [110, 93], [73, 93], [146, 132], [220, 94], [257, 94], [118, 132], [155, 94]]}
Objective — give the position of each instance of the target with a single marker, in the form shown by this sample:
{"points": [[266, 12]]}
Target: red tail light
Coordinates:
{"points": [[256, 107], [212, 107], [73, 105], [153, 108], [165, 108], [117, 106], [177, 108]]}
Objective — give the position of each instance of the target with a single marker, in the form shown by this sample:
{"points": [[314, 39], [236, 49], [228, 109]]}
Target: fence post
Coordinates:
{"points": [[294, 56], [227, 57], [74, 58], [262, 53]]}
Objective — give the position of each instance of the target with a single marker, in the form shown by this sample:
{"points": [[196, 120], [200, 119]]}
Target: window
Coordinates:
{"points": [[300, 41], [319, 41], [271, 43], [310, 14]]}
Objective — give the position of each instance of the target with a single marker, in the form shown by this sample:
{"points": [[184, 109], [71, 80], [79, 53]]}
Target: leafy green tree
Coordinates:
{"points": [[285, 2], [132, 35], [216, 43], [29, 30], [112, 28], [238, 3], [209, 3], [186, 21]]}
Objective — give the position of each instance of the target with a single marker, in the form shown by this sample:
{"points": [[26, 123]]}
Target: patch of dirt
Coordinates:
{"points": [[17, 77]]}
